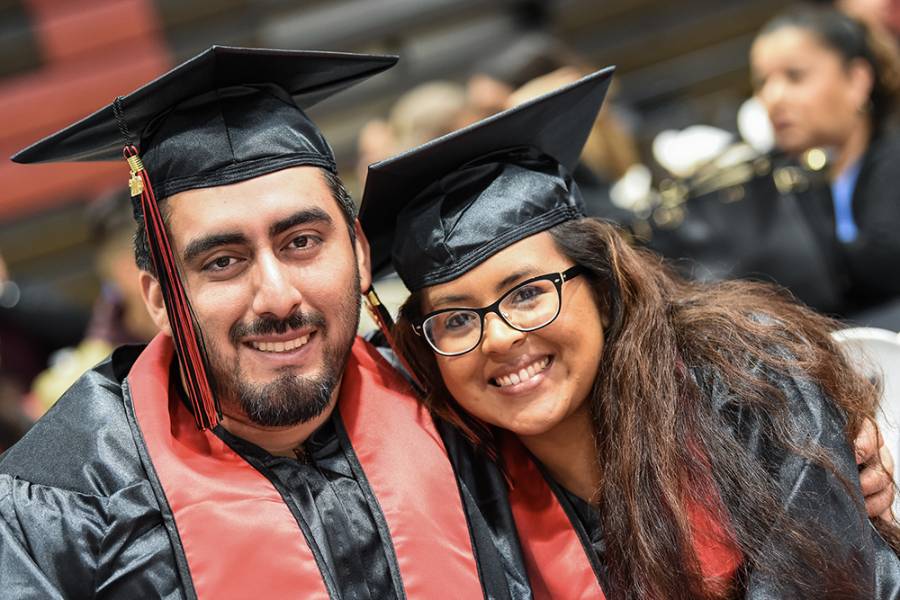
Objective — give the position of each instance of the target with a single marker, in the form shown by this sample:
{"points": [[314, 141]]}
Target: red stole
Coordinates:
{"points": [[558, 567], [407, 467], [240, 538]]}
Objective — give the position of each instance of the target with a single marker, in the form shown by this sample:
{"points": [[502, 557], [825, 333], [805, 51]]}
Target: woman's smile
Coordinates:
{"points": [[525, 376]]}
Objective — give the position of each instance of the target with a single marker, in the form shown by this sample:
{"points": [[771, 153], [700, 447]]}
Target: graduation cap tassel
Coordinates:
{"points": [[385, 323], [189, 348]]}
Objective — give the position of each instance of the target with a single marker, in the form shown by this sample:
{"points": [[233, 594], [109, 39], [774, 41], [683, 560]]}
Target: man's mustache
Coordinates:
{"points": [[263, 326]]}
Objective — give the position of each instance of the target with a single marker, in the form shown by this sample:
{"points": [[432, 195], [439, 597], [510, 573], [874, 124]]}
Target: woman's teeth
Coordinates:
{"points": [[524, 374], [280, 346]]}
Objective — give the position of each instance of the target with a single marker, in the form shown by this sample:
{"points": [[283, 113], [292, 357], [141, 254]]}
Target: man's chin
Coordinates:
{"points": [[288, 400]]}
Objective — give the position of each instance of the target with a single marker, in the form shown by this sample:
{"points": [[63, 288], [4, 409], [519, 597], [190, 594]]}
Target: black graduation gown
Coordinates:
{"points": [[868, 266], [80, 515], [808, 492], [754, 230]]}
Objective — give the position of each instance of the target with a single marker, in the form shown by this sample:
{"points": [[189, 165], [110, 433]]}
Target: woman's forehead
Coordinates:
{"points": [[535, 255], [784, 41]]}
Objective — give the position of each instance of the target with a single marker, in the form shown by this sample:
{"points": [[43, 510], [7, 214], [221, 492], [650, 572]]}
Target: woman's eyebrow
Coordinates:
{"points": [[502, 286], [513, 277], [453, 299]]}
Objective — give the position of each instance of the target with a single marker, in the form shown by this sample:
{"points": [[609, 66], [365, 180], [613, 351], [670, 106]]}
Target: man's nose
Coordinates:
{"points": [[498, 337], [276, 293]]}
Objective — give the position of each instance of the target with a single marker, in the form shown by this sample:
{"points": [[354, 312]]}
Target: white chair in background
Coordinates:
{"points": [[877, 353]]}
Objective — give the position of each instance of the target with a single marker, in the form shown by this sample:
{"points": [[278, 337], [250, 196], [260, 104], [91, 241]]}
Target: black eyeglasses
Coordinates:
{"points": [[532, 304]]}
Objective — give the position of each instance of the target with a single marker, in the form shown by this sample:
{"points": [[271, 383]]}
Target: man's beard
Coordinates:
{"points": [[289, 399]]}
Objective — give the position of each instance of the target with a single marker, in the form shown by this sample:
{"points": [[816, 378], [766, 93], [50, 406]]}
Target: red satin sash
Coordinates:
{"points": [[558, 567], [240, 538], [411, 477]]}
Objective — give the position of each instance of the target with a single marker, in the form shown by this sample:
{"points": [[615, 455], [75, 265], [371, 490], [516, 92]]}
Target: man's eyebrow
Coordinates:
{"points": [[207, 243], [307, 215]]}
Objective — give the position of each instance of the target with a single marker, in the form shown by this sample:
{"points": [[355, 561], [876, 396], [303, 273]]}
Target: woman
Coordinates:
{"points": [[696, 436], [827, 82]]}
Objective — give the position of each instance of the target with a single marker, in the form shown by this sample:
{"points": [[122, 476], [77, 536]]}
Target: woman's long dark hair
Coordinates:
{"points": [[663, 446], [852, 40]]}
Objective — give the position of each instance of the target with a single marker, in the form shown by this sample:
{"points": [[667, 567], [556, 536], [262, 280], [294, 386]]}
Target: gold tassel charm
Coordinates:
{"points": [[135, 184]]}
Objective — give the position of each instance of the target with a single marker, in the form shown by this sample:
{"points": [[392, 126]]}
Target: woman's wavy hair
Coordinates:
{"points": [[677, 357], [852, 40]]}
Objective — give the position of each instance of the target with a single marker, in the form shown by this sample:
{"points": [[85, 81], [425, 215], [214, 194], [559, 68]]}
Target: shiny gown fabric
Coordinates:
{"points": [[810, 494], [561, 539], [89, 508], [83, 512], [79, 517]]}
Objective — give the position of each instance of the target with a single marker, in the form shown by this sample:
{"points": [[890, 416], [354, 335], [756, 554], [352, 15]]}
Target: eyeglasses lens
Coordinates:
{"points": [[525, 308]]}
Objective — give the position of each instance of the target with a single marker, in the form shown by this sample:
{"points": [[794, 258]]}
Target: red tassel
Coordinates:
{"points": [[385, 323], [188, 348]]}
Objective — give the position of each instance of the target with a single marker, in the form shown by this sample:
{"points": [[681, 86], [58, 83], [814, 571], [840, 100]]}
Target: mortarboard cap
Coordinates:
{"points": [[224, 116], [442, 208]]}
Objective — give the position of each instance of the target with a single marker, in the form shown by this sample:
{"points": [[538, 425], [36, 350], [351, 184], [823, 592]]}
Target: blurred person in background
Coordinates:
{"points": [[875, 13], [827, 81], [427, 111], [35, 324], [13, 420], [530, 57], [536, 64], [118, 316], [374, 142]]}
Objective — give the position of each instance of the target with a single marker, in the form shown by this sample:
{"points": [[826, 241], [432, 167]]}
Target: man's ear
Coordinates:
{"points": [[363, 259], [152, 294]]}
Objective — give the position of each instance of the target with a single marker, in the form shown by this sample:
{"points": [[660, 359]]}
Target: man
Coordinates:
{"points": [[312, 473]]}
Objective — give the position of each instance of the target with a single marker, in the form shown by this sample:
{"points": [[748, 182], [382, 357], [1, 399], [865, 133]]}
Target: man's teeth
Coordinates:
{"points": [[524, 374], [280, 346]]}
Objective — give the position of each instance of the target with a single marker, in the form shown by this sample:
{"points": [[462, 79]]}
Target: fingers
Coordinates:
{"points": [[867, 442], [873, 479], [878, 489], [879, 505], [885, 498], [876, 477]]}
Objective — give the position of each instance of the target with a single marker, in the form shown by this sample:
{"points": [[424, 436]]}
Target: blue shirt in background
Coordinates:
{"points": [[842, 195]]}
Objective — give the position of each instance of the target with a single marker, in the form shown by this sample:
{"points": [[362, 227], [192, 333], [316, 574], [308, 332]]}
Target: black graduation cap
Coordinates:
{"points": [[224, 116], [442, 208]]}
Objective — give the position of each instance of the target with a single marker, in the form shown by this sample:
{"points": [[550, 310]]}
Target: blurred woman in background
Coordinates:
{"points": [[828, 82]]}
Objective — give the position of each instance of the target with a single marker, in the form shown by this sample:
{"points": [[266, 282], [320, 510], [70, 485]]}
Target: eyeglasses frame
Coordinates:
{"points": [[557, 278]]}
